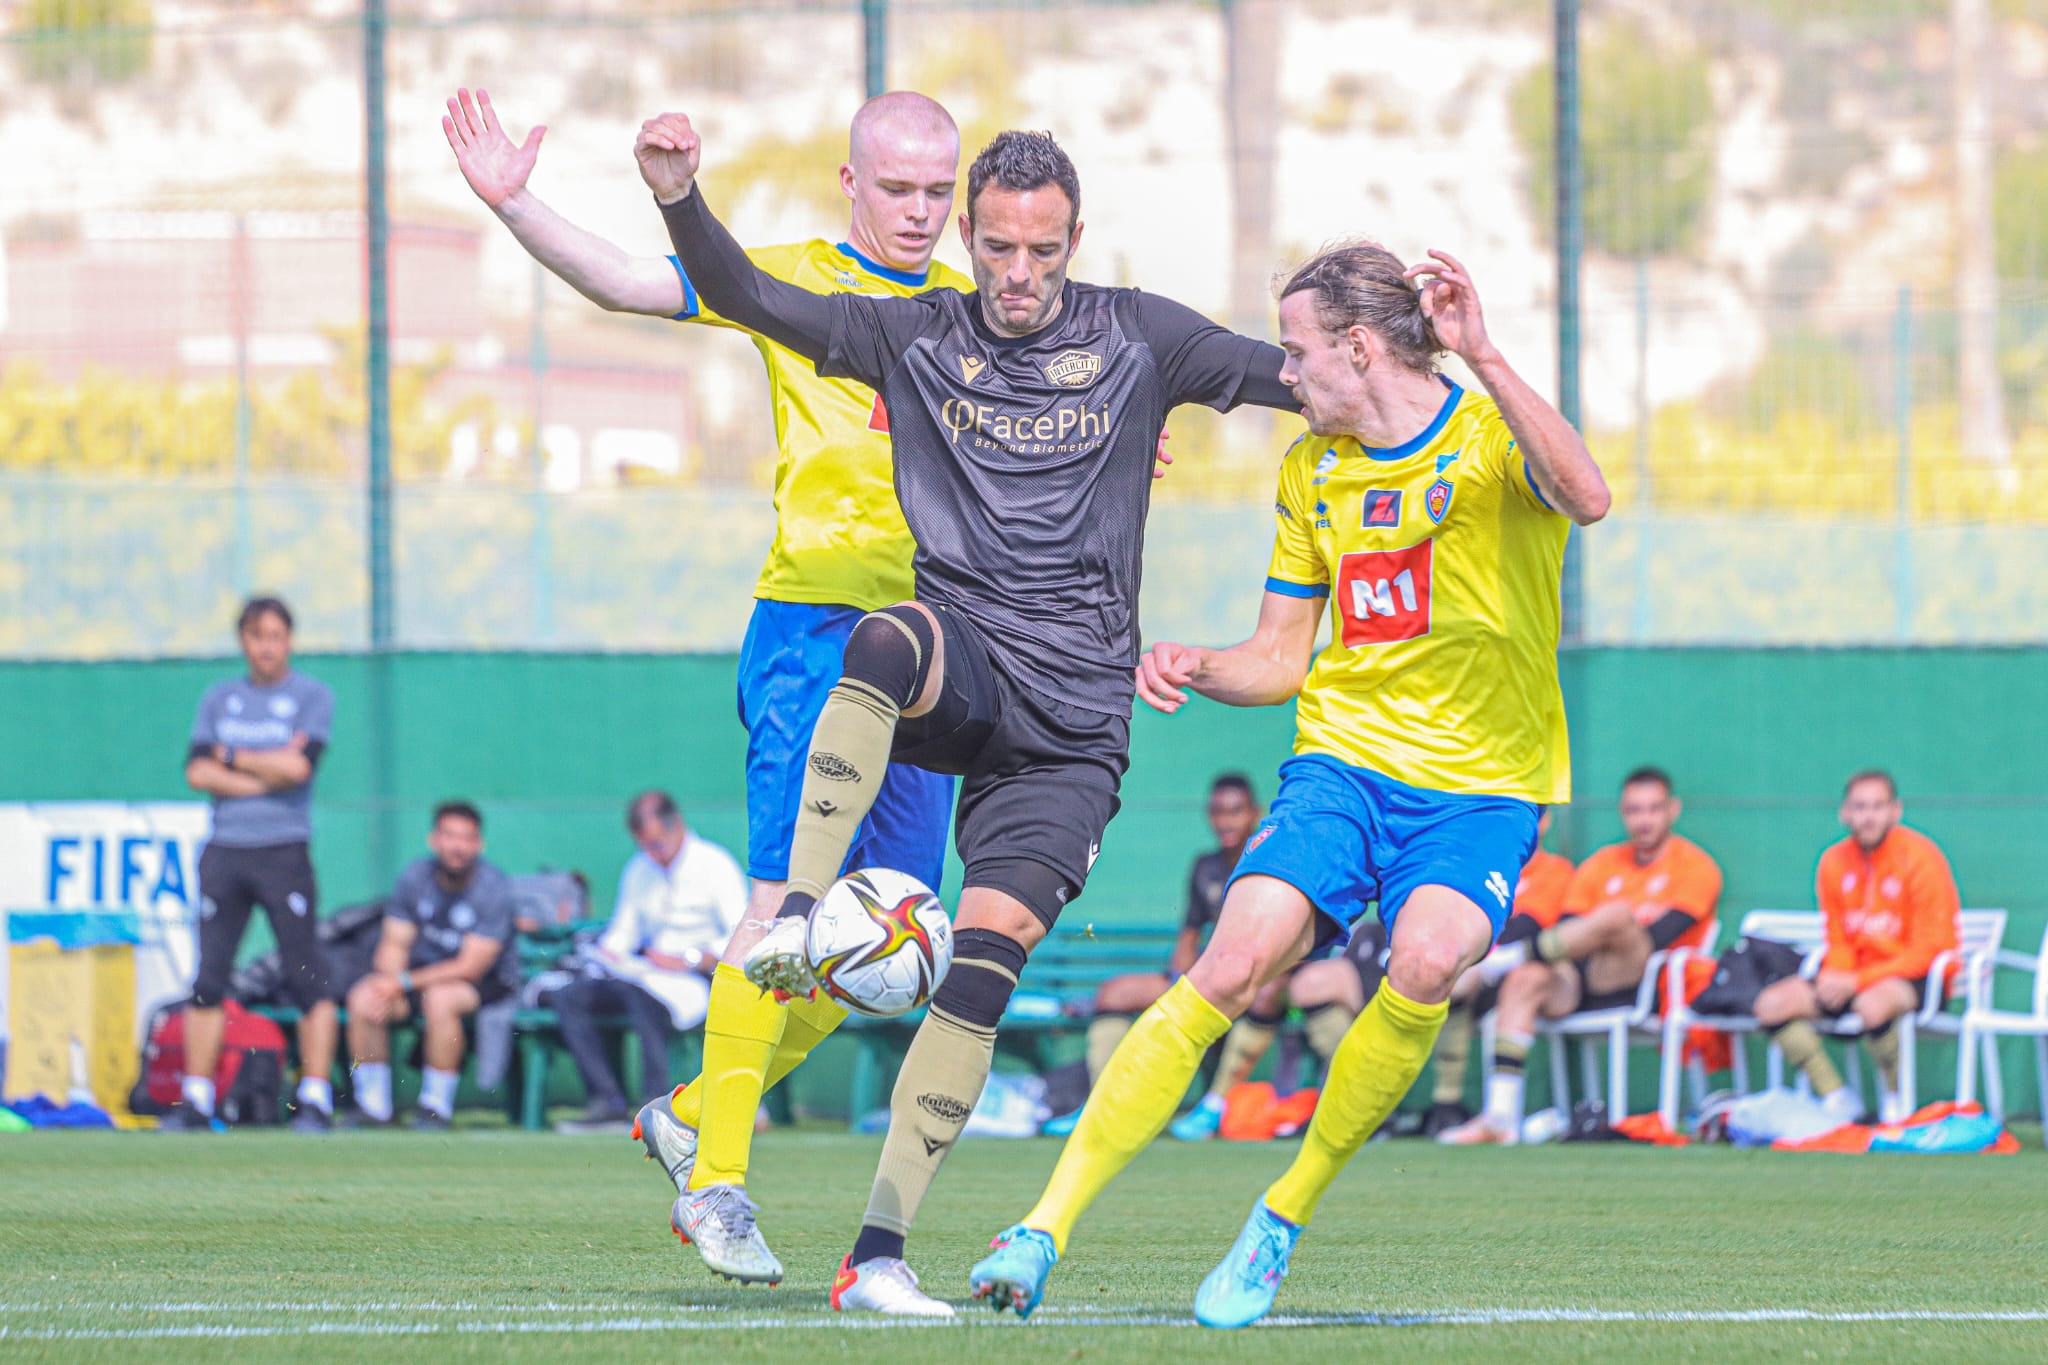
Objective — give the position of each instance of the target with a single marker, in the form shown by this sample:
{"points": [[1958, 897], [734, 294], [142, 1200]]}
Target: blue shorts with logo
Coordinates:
{"points": [[1348, 837], [788, 663]]}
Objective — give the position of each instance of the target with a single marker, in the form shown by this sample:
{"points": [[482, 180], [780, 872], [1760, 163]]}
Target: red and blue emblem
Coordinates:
{"points": [[1437, 501]]}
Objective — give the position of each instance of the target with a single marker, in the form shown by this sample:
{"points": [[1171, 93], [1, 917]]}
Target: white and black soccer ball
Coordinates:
{"points": [[880, 942]]}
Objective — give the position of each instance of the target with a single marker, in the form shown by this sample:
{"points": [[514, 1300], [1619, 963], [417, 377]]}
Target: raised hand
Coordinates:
{"points": [[1451, 303], [490, 163], [1163, 671], [668, 151]]}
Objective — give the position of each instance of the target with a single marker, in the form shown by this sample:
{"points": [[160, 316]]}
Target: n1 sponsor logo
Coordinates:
{"points": [[1383, 596]]}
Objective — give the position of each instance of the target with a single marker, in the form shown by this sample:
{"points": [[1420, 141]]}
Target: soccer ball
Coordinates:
{"points": [[879, 942]]}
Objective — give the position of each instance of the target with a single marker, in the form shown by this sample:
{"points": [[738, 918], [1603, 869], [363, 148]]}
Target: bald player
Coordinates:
{"points": [[841, 549]]}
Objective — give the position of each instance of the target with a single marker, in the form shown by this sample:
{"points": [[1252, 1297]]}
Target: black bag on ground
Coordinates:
{"points": [[1742, 972], [348, 938]]}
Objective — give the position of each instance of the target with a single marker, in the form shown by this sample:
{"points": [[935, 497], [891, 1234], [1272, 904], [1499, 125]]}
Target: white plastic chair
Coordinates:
{"points": [[1982, 1024], [1978, 935], [1618, 1025]]}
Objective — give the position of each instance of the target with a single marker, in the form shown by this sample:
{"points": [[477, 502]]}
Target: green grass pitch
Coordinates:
{"points": [[504, 1246]]}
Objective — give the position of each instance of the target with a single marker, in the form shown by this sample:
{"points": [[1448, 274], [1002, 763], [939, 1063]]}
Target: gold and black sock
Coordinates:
{"points": [[1105, 1031], [849, 756], [1800, 1041], [1548, 945], [1453, 1050], [1325, 1027], [1243, 1048], [1883, 1046]]}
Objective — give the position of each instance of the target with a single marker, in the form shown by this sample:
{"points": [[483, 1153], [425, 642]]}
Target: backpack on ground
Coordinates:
{"points": [[249, 1079]]}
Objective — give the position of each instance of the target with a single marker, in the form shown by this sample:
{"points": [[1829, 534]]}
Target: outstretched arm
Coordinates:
{"points": [[1265, 670], [597, 269], [1558, 459], [668, 151]]}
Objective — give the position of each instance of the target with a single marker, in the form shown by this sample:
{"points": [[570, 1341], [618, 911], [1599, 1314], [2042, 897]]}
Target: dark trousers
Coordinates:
{"points": [[582, 1004]]}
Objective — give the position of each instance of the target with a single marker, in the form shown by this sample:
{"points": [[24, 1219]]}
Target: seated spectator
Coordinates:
{"points": [[680, 898], [1538, 903], [1233, 813], [1333, 992], [445, 952], [1654, 890], [1890, 903]]}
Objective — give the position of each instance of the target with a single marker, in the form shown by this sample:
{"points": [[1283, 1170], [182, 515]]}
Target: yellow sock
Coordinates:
{"points": [[1375, 1064], [1135, 1096], [810, 1023], [741, 1034]]}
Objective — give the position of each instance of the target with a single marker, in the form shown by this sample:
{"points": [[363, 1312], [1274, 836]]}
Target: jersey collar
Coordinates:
{"points": [[1429, 433], [877, 268]]}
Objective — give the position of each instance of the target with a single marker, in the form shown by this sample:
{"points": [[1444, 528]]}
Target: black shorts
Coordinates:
{"points": [[1367, 954], [232, 883], [1604, 1000], [1039, 776]]}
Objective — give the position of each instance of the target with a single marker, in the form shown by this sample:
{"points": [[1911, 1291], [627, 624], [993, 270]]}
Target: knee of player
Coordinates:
{"points": [[445, 1003], [891, 651], [1228, 977], [1426, 967], [1784, 1001], [1530, 981], [984, 973]]}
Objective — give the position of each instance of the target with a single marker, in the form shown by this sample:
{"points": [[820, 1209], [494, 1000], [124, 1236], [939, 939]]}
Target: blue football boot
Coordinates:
{"points": [[1241, 1290], [1200, 1123], [1013, 1275]]}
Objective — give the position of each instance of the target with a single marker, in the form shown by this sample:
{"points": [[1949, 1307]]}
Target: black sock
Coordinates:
{"points": [[874, 1242]]}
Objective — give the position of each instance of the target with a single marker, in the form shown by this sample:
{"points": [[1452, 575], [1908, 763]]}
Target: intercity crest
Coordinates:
{"points": [[1074, 369]]}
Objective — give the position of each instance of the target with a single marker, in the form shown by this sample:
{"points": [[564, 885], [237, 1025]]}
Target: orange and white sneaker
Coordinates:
{"points": [[883, 1285], [1480, 1131]]}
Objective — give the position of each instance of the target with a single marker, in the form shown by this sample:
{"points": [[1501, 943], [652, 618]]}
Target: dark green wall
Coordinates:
{"points": [[552, 744]]}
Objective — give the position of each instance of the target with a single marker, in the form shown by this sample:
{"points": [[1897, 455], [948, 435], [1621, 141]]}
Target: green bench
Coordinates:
{"points": [[1054, 1000]]}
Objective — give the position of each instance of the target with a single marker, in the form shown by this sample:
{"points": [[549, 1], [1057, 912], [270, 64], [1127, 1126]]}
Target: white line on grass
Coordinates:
{"points": [[717, 1319]]}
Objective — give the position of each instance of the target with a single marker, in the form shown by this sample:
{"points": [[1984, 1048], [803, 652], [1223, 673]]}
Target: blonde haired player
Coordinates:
{"points": [[841, 549], [1429, 731]]}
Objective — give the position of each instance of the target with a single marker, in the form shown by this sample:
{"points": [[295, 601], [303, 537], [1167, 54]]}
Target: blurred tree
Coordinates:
{"points": [[1645, 126], [85, 42]]}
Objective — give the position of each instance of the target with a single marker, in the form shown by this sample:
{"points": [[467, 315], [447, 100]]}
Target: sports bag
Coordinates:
{"points": [[249, 1079], [1741, 973]]}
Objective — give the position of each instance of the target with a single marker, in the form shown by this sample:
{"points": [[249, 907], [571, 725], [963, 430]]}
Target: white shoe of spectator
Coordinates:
{"points": [[1843, 1104], [1481, 1131], [1891, 1107]]}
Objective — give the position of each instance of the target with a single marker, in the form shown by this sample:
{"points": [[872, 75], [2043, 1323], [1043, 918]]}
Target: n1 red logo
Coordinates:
{"points": [[1383, 595]]}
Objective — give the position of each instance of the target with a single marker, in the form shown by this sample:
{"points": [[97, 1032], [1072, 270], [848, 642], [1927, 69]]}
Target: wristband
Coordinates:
{"points": [[405, 982], [227, 756]]}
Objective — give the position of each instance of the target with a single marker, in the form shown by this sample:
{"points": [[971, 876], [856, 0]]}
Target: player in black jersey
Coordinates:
{"points": [[1024, 420]]}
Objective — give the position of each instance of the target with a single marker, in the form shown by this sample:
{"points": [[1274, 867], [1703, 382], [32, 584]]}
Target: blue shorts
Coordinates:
{"points": [[1348, 837], [788, 663]]}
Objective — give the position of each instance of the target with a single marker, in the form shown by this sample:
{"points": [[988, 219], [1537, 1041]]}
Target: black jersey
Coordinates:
{"points": [[1023, 464], [1208, 879]]}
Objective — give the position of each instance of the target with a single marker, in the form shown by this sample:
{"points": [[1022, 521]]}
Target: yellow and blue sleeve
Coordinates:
{"points": [[1295, 569], [1499, 452]]}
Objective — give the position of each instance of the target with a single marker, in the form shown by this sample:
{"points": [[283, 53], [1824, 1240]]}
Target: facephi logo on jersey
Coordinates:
{"points": [[944, 1108], [833, 768], [1382, 508], [971, 367], [1078, 423], [1438, 499], [1074, 369]]}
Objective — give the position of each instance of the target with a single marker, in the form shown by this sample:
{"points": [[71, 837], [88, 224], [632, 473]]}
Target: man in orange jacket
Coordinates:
{"points": [[1654, 890], [1890, 903]]}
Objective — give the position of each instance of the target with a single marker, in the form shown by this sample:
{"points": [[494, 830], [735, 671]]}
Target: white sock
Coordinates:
{"points": [[437, 1091], [1503, 960], [1504, 1099], [199, 1094], [373, 1089], [318, 1092]]}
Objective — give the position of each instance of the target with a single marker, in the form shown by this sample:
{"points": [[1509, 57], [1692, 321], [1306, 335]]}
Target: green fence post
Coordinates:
{"points": [[382, 747], [1902, 420]]}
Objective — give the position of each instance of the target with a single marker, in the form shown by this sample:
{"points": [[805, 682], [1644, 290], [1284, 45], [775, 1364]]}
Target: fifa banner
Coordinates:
{"points": [[100, 901]]}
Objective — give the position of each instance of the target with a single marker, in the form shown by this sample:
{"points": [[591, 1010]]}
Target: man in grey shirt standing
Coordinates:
{"points": [[255, 744]]}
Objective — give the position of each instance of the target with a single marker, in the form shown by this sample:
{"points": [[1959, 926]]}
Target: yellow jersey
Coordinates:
{"points": [[1445, 563], [839, 534]]}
